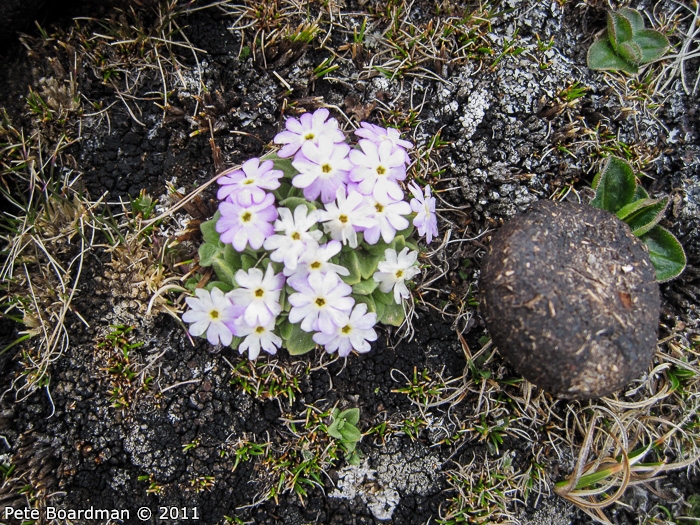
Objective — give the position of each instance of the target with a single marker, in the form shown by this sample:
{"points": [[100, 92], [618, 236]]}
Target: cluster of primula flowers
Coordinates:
{"points": [[311, 246]]}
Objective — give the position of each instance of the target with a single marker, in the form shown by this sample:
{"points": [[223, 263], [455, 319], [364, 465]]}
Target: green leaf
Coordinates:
{"points": [[652, 44], [383, 298], [224, 271], [619, 29], [634, 207], [207, 252], [368, 263], [366, 299], [351, 434], [392, 315], [365, 287], [284, 165], [220, 285], [616, 186], [646, 218], [299, 342], [247, 261], [209, 229], [634, 17], [333, 430], [350, 260], [602, 57], [630, 52], [351, 415], [293, 202], [640, 193], [665, 252]]}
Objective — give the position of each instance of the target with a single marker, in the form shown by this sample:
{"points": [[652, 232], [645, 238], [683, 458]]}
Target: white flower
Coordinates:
{"points": [[387, 219], [257, 294], [307, 128], [316, 260], [394, 271], [378, 134], [352, 334], [213, 313], [321, 303], [297, 238], [377, 170], [345, 217], [256, 337], [423, 205], [323, 168]]}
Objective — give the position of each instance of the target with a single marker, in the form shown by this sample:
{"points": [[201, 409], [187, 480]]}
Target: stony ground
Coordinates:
{"points": [[110, 405]]}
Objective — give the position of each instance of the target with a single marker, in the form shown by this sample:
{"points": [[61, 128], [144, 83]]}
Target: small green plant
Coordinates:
{"points": [[344, 428], [628, 45], [617, 192]]}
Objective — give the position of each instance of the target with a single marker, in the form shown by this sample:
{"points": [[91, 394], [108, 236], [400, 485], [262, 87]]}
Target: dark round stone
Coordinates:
{"points": [[570, 298]]}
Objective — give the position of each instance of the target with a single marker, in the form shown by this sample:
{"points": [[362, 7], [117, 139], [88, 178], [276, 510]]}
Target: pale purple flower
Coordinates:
{"points": [[377, 170], [321, 303], [307, 128], [296, 237], [423, 204], [258, 294], [344, 217], [377, 134], [395, 270], [352, 334], [252, 178], [387, 219], [258, 336], [323, 168], [316, 260], [211, 312], [241, 225]]}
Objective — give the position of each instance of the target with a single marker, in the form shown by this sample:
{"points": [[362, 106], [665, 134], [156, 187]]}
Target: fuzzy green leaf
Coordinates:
{"points": [[634, 17], [220, 285], [299, 342], [247, 261], [351, 434], [207, 252], [392, 315], [665, 252], [652, 44], [293, 202], [209, 230], [640, 193], [224, 270], [634, 207], [383, 298], [616, 186], [284, 165], [368, 263], [351, 415], [602, 57], [619, 29], [366, 299], [365, 287], [334, 431], [350, 260], [644, 219], [630, 52]]}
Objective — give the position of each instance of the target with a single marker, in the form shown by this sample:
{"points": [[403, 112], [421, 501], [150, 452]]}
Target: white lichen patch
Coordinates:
{"points": [[362, 481]]}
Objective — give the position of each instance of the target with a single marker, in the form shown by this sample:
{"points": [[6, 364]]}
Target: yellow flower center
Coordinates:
{"points": [[343, 219], [309, 136], [214, 314], [246, 217], [381, 170], [259, 292], [326, 168], [249, 181], [320, 302], [379, 208], [315, 265], [399, 274], [346, 329], [296, 236], [260, 329]]}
